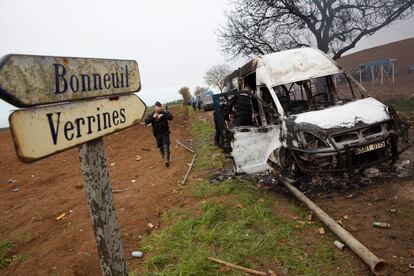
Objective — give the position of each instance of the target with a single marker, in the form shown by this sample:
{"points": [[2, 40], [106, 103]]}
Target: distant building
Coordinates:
{"points": [[401, 51]]}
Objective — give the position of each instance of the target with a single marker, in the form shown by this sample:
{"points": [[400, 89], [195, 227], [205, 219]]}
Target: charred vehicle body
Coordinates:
{"points": [[306, 115]]}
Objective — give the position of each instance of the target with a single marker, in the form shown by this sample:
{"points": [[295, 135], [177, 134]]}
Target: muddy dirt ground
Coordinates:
{"points": [[53, 186]]}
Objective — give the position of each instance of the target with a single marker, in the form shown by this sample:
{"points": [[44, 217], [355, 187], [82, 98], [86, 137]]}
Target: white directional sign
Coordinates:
{"points": [[27, 80], [40, 132]]}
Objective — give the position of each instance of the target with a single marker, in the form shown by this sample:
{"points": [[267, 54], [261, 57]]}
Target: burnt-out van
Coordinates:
{"points": [[307, 115]]}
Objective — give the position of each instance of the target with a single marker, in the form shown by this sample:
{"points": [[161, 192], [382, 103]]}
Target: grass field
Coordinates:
{"points": [[404, 106]]}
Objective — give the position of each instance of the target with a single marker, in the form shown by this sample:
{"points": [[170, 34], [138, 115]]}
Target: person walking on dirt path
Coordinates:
{"points": [[159, 121]]}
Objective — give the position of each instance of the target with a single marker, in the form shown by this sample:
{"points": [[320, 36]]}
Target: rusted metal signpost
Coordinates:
{"points": [[99, 86]]}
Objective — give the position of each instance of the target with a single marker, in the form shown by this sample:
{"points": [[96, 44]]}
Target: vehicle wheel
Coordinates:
{"points": [[287, 162]]}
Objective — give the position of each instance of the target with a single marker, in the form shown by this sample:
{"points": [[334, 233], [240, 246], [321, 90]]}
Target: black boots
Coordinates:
{"points": [[166, 153]]}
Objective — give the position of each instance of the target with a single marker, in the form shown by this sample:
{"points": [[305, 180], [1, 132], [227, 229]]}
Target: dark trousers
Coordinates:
{"points": [[162, 139]]}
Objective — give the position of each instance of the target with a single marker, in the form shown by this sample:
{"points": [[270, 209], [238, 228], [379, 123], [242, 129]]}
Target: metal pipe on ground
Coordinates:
{"points": [[378, 266]]}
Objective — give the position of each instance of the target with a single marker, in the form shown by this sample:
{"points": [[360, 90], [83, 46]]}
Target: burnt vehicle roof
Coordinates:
{"points": [[290, 66]]}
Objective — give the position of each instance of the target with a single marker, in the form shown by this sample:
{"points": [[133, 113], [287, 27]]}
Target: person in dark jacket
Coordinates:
{"points": [[159, 121], [242, 108]]}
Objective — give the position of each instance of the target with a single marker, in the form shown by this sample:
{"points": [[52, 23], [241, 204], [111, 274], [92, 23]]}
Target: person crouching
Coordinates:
{"points": [[159, 121]]}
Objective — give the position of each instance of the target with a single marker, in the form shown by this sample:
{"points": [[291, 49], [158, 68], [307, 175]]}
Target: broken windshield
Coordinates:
{"points": [[317, 93]]}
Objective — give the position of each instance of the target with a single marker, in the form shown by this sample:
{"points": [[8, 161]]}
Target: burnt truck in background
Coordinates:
{"points": [[307, 115]]}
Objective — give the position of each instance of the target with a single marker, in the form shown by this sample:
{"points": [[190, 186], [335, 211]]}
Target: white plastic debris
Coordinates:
{"points": [[372, 172], [137, 254], [339, 245]]}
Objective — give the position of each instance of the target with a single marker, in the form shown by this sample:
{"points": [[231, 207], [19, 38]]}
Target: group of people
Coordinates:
{"points": [[239, 105]]}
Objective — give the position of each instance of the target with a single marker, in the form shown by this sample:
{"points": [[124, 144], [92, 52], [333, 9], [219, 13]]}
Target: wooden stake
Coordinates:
{"points": [[184, 146], [372, 75], [244, 269], [189, 169], [102, 209]]}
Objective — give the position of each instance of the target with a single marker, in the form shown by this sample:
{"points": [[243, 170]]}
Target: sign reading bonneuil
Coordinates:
{"points": [[34, 80]]}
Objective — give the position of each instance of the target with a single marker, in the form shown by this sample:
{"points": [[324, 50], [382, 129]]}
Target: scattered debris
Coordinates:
{"points": [[137, 254], [146, 149], [392, 210], [372, 173], [321, 231], [12, 180], [15, 190], [150, 225], [62, 216], [411, 266], [138, 158], [239, 205], [79, 186], [113, 164], [339, 221], [403, 168], [220, 176], [244, 269], [119, 191], [310, 217], [378, 266], [339, 245], [346, 217], [133, 180], [381, 224]]}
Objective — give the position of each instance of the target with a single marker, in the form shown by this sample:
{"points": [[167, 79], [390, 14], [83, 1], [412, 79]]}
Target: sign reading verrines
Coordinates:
{"points": [[96, 90], [40, 132]]}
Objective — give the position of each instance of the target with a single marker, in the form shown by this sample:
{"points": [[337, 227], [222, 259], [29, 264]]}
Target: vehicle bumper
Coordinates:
{"points": [[346, 159]]}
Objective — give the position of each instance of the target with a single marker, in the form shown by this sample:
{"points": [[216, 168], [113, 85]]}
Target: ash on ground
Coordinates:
{"points": [[326, 185]]}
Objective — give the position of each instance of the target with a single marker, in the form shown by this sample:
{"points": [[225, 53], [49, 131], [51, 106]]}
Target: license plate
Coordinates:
{"points": [[370, 147]]}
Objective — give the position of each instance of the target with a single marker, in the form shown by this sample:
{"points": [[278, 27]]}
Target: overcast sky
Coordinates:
{"points": [[174, 42]]}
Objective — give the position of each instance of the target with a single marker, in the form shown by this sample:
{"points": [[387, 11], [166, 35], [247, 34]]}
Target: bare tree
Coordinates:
{"points": [[185, 93], [334, 26], [199, 89], [216, 74]]}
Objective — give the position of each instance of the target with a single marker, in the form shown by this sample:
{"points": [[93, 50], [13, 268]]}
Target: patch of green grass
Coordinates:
{"points": [[301, 211], [209, 156], [240, 229], [404, 106], [7, 256]]}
